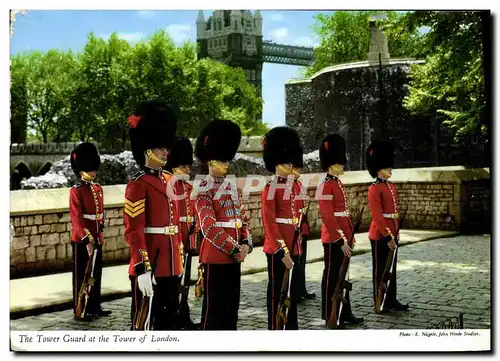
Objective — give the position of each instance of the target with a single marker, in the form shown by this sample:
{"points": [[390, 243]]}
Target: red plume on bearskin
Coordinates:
{"points": [[133, 121], [332, 151]]}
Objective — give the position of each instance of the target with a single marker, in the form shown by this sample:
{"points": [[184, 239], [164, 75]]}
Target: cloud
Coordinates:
{"points": [[277, 17], [280, 33], [179, 32], [130, 37], [305, 41], [146, 14]]}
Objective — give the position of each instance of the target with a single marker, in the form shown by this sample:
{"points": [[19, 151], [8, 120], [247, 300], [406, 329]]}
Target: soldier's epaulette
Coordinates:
{"points": [[138, 175]]}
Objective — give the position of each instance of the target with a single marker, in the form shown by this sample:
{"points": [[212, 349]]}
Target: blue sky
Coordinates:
{"points": [[64, 30]]}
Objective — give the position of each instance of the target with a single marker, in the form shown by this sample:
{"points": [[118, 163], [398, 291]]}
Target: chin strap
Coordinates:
{"points": [[154, 158]]}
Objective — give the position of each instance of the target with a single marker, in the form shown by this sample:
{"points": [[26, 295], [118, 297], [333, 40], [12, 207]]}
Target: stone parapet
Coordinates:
{"points": [[446, 198]]}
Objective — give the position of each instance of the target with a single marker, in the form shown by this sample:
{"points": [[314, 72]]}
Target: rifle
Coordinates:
{"points": [[343, 284], [143, 318], [88, 279], [284, 303], [186, 277], [87, 286], [387, 275]]}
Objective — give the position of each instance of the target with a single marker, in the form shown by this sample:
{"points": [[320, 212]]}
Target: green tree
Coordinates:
{"points": [[49, 82], [345, 37], [450, 85], [18, 99]]}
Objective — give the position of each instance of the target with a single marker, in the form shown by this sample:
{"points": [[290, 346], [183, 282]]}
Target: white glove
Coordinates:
{"points": [[145, 284]]}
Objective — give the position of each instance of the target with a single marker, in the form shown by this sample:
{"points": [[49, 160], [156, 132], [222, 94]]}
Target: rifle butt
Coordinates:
{"points": [[142, 315]]}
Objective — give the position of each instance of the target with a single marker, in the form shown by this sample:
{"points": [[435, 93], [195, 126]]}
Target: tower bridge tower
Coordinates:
{"points": [[233, 37]]}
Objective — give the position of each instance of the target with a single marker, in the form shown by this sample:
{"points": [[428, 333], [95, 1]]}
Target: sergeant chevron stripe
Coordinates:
{"points": [[133, 209]]}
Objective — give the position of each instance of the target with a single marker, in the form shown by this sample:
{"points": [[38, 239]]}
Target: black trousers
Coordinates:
{"points": [[221, 297], [276, 273], [165, 304], [184, 311], [80, 259], [333, 258], [380, 252], [300, 270]]}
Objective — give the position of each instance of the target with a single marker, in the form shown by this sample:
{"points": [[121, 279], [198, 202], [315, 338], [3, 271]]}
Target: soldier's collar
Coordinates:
{"points": [[331, 176], [280, 179], [152, 171], [382, 180], [218, 179]]}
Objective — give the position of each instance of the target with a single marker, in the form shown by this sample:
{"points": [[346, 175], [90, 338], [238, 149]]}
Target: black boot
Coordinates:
{"points": [[398, 306], [353, 320]]}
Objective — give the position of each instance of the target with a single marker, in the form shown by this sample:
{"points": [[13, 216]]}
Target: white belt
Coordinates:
{"points": [[187, 219], [167, 230], [391, 215], [230, 224], [287, 220], [92, 216], [341, 214]]}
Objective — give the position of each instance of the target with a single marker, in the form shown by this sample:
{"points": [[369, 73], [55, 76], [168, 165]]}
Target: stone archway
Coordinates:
{"points": [[21, 171], [44, 168]]}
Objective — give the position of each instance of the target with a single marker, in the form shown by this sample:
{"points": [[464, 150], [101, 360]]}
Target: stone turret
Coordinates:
{"points": [[200, 25], [258, 23], [379, 48]]}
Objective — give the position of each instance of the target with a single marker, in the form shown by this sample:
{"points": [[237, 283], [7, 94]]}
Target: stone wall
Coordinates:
{"points": [[362, 101], [448, 198]]}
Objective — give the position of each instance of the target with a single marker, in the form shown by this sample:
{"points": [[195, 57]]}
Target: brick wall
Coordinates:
{"points": [[444, 200]]}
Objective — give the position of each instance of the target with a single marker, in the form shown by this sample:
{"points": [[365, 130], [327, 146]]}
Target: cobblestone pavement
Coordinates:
{"points": [[438, 278]]}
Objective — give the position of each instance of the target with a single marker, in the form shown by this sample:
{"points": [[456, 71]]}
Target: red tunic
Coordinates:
{"points": [[86, 202], [285, 206], [332, 223], [382, 199], [148, 205], [218, 201], [186, 211]]}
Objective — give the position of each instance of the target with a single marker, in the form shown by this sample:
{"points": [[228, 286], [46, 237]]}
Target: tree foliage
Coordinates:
{"points": [[451, 82], [345, 37], [89, 96]]}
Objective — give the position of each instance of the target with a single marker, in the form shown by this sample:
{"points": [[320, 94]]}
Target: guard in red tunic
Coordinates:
{"points": [[281, 209], [301, 267], [179, 161], [87, 220], [337, 228], [383, 202], [150, 217], [225, 227]]}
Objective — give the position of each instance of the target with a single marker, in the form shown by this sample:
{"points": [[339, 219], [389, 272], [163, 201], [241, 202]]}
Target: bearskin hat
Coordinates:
{"points": [[219, 140], [281, 145], [153, 125], [85, 157], [180, 153], [379, 155], [332, 151]]}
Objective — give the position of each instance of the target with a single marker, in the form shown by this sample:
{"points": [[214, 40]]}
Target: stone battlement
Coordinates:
{"points": [[248, 144], [446, 198]]}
